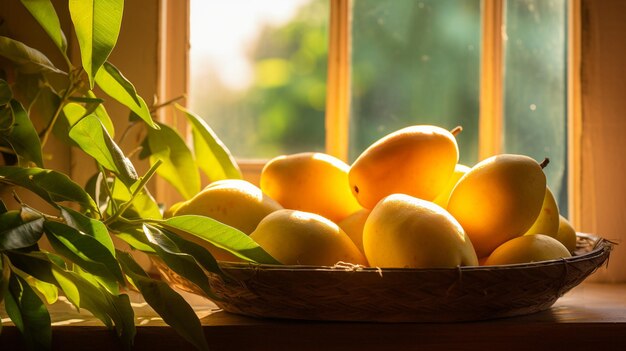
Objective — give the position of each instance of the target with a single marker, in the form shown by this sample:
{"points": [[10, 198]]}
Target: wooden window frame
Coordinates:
{"points": [[175, 69], [173, 82]]}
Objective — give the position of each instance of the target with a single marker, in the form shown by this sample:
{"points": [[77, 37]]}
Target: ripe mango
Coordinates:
{"points": [[310, 182], [406, 232], [416, 160], [303, 238], [498, 199], [527, 249], [547, 222]]}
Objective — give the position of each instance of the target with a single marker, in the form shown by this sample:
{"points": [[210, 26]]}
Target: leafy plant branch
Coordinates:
{"points": [[83, 264]]}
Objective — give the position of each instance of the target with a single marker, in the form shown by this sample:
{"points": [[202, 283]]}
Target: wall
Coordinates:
{"points": [[603, 189]]}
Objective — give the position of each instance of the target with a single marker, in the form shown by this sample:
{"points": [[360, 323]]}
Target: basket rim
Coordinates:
{"points": [[600, 247]]}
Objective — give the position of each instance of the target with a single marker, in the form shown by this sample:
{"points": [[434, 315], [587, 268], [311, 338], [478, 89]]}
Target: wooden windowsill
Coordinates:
{"points": [[591, 316]]}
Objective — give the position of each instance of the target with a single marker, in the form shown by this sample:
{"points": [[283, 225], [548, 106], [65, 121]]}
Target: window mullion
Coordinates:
{"points": [[338, 81], [491, 78], [574, 115]]}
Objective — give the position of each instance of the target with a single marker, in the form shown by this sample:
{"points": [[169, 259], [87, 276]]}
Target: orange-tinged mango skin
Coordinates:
{"points": [[442, 198], [353, 226], [498, 200], [311, 182], [416, 160]]}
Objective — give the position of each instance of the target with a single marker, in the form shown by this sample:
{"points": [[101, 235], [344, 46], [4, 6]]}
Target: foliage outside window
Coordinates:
{"points": [[413, 62]]}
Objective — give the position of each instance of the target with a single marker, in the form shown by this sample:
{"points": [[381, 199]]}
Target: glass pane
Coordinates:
{"points": [[535, 86], [258, 73], [415, 62]]}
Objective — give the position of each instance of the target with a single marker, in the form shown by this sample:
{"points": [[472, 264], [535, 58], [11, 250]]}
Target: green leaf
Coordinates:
{"points": [[17, 232], [172, 307], [35, 263], [110, 309], [87, 252], [44, 106], [45, 14], [49, 291], [23, 137], [178, 167], [180, 262], [212, 156], [86, 100], [101, 113], [114, 84], [91, 105], [28, 60], [103, 305], [73, 112], [88, 226], [92, 137], [97, 24], [6, 95], [27, 88], [198, 252], [136, 239], [50, 185], [220, 235], [29, 314], [144, 205]]}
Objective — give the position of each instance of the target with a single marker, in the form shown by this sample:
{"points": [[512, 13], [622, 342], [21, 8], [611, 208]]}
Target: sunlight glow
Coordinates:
{"points": [[222, 32]]}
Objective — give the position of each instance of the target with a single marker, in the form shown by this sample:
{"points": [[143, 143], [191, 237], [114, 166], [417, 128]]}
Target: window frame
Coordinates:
{"points": [[174, 72]]}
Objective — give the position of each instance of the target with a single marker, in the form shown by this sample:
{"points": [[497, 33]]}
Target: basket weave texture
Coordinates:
{"points": [[347, 293]]}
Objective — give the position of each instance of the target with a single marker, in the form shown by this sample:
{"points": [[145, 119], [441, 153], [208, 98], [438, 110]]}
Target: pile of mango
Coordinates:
{"points": [[405, 202]]}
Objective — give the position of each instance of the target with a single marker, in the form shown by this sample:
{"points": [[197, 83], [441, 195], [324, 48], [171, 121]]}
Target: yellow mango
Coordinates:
{"points": [[416, 160], [303, 238], [235, 202], [548, 220], [566, 234], [442, 198], [498, 199], [527, 249], [407, 232], [353, 226], [311, 182]]}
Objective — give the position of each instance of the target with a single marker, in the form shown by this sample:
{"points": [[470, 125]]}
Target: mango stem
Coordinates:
{"points": [[456, 130]]}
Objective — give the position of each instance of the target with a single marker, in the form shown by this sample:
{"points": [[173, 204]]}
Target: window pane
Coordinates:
{"points": [[535, 86], [415, 62], [258, 73]]}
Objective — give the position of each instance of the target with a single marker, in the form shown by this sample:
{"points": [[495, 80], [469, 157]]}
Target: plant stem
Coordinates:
{"points": [[48, 130], [168, 102], [142, 183], [107, 190], [7, 150]]}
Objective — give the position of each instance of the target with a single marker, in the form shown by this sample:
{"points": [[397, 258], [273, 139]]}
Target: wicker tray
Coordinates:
{"points": [[399, 295]]}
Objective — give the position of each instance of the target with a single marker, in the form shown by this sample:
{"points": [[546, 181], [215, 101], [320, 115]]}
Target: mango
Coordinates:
{"points": [[302, 238], [406, 232], [498, 199], [310, 182], [528, 249], [417, 160]]}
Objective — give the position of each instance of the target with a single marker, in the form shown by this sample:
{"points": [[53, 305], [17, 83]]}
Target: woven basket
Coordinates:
{"points": [[399, 295]]}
